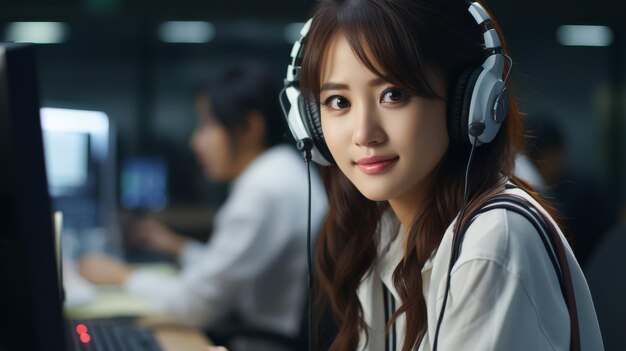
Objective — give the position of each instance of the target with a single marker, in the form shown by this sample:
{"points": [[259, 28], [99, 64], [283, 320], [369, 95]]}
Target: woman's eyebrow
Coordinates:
{"points": [[377, 82], [341, 86], [333, 86]]}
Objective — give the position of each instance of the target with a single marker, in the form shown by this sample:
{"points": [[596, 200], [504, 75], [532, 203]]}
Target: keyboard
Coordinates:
{"points": [[111, 335]]}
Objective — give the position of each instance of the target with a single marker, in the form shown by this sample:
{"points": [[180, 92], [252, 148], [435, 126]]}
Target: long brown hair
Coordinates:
{"points": [[400, 40]]}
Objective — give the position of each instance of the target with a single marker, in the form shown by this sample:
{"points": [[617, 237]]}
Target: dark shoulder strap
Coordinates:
{"points": [[551, 240]]}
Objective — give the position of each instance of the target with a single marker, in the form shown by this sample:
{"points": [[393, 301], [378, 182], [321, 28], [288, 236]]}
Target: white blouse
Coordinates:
{"points": [[504, 292], [254, 264]]}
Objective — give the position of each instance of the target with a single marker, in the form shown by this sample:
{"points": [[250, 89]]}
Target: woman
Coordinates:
{"points": [[395, 83], [249, 280]]}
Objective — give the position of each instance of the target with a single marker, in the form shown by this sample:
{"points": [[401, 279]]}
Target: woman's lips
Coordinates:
{"points": [[376, 164]]}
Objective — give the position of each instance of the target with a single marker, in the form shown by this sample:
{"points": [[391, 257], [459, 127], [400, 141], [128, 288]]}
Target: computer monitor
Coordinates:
{"points": [[143, 183], [79, 149], [30, 306]]}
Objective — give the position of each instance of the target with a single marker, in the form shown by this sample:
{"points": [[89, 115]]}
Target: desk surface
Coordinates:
{"points": [[114, 302], [84, 300], [180, 339], [174, 337]]}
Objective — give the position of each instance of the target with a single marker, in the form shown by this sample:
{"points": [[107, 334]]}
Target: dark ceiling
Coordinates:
{"points": [[152, 9], [517, 12]]}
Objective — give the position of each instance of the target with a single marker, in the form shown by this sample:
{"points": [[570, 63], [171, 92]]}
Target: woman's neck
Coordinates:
{"points": [[410, 203]]}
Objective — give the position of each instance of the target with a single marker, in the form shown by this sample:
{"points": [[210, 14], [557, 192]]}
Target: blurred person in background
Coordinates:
{"points": [[251, 274], [543, 160], [582, 200]]}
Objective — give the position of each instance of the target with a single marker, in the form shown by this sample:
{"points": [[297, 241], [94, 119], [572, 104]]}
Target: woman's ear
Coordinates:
{"points": [[254, 131]]}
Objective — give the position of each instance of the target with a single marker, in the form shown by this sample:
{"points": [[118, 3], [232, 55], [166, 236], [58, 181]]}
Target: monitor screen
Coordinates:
{"points": [[143, 183], [80, 162], [67, 154], [79, 152], [30, 305]]}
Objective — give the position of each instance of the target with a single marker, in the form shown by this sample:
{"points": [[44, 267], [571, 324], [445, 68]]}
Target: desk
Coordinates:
{"points": [[109, 302], [180, 339], [85, 300], [171, 336]]}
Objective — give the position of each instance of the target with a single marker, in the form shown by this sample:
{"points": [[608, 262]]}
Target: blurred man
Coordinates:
{"points": [[251, 274]]}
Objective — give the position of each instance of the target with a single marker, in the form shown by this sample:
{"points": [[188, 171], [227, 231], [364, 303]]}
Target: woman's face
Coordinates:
{"points": [[212, 143], [384, 140]]}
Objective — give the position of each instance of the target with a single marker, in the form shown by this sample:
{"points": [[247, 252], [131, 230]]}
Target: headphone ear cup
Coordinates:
{"points": [[313, 124], [459, 105]]}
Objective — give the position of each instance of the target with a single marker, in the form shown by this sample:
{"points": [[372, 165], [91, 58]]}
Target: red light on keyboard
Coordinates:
{"points": [[85, 338], [81, 329]]}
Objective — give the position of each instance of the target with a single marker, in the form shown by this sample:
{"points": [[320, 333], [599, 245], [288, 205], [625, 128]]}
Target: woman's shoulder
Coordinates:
{"points": [[504, 236]]}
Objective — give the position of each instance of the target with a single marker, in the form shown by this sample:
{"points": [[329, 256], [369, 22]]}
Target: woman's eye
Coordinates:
{"points": [[392, 95], [336, 102]]}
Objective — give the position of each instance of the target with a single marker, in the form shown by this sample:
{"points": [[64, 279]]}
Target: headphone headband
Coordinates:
{"points": [[302, 115], [293, 70], [490, 36]]}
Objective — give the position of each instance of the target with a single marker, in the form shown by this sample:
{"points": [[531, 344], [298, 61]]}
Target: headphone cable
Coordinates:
{"points": [[305, 146], [454, 238]]}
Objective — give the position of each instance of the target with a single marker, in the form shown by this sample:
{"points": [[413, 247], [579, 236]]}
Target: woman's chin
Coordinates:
{"points": [[375, 194]]}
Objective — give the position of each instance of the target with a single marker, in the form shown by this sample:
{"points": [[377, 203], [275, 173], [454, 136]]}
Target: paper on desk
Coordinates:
{"points": [[108, 301]]}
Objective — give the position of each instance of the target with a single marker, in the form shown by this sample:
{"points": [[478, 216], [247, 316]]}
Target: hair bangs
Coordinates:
{"points": [[395, 58], [400, 58]]}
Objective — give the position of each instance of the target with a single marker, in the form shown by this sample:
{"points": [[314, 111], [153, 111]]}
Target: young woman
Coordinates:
{"points": [[395, 82]]}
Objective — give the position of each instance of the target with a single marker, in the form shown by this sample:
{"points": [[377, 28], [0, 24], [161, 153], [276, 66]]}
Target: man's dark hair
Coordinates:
{"points": [[239, 89]]}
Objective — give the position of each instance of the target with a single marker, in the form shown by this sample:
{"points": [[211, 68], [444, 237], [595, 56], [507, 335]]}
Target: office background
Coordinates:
{"points": [[113, 56], [139, 61]]}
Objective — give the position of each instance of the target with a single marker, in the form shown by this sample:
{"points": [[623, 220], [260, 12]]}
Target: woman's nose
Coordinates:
{"points": [[368, 130]]}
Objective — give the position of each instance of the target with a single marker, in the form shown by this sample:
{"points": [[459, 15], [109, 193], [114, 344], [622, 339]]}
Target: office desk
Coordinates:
{"points": [[110, 302], [180, 339], [84, 300], [171, 336]]}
